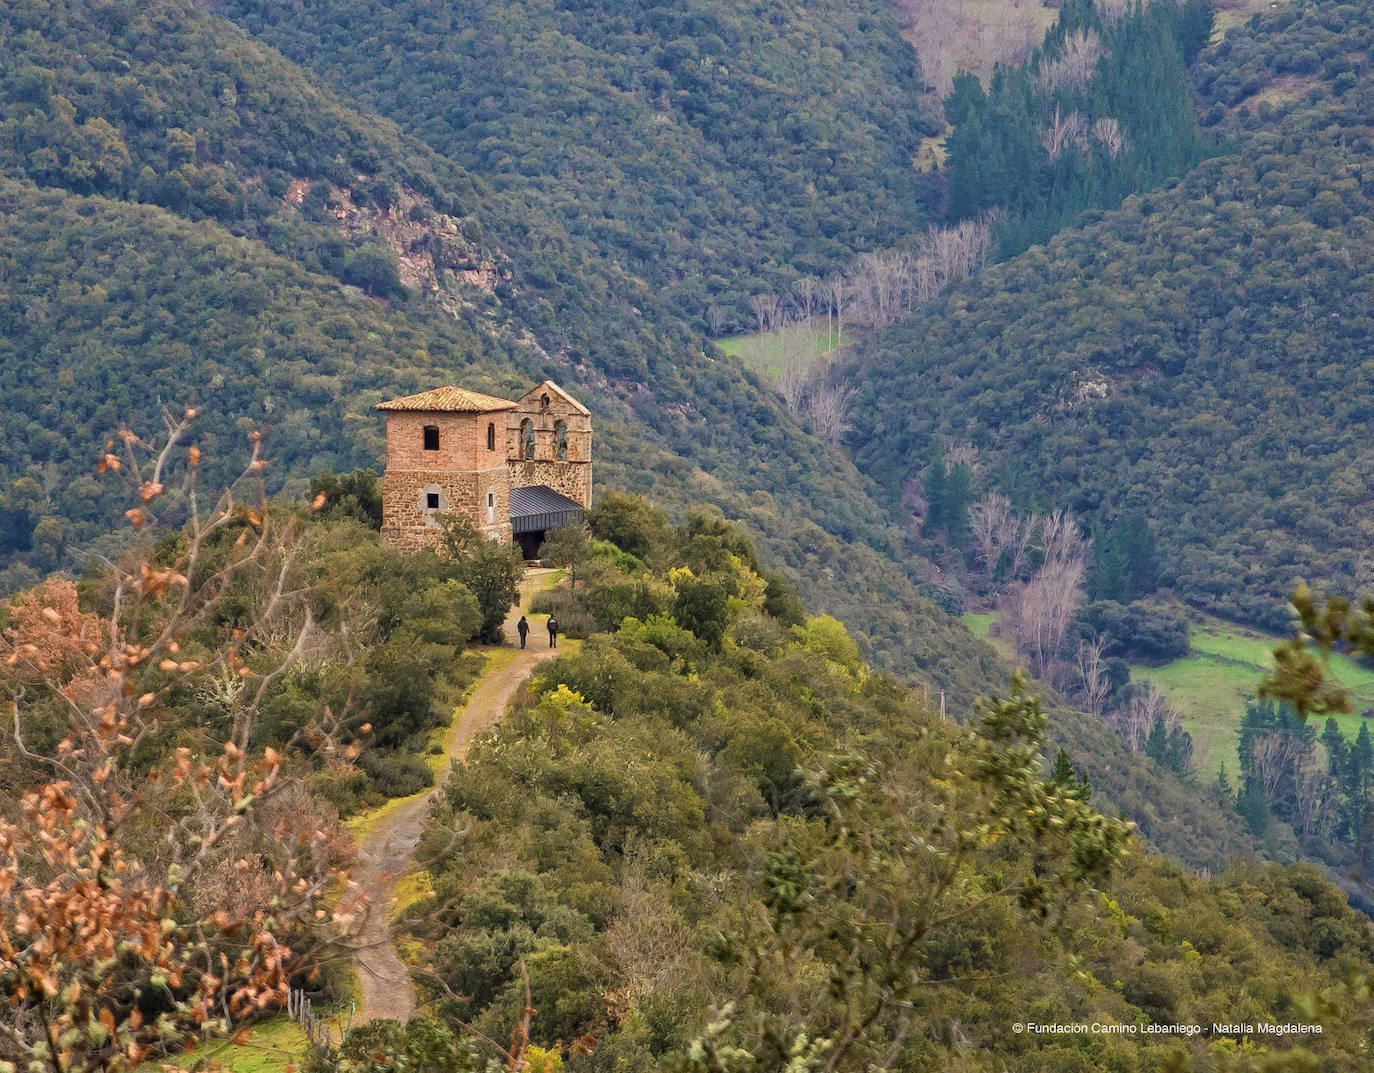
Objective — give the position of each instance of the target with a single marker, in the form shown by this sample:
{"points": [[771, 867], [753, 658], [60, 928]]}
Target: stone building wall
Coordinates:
{"points": [[462, 441], [572, 475], [408, 523]]}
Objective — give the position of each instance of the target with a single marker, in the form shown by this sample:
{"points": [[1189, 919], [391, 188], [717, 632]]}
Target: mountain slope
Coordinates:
{"points": [[1202, 354], [705, 145], [129, 305], [132, 320]]}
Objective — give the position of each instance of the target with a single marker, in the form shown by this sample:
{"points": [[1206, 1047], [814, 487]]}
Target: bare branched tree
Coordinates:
{"points": [[765, 307], [134, 869], [1277, 759], [879, 282], [1064, 132], [1110, 136], [988, 519], [797, 365], [1137, 717], [1038, 612], [838, 290], [808, 291], [1092, 675], [1074, 66], [1020, 538], [827, 407], [715, 318]]}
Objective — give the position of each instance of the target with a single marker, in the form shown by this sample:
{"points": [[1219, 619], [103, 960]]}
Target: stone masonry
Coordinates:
{"points": [[453, 451], [543, 410]]}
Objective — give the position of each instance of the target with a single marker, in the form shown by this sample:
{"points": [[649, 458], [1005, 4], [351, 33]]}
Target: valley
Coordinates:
{"points": [[977, 389]]}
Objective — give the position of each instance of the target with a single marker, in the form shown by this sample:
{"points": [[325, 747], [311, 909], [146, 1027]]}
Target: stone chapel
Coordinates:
{"points": [[513, 469]]}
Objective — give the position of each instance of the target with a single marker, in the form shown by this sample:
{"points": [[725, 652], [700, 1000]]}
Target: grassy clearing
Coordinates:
{"points": [[1210, 686], [1237, 13], [762, 352], [979, 624], [271, 1047]]}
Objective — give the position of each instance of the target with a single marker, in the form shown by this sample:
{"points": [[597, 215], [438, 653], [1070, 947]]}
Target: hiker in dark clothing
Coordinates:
{"points": [[523, 629], [553, 632]]}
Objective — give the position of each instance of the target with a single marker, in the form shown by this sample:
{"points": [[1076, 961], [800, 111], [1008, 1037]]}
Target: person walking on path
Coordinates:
{"points": [[523, 628], [553, 632]]}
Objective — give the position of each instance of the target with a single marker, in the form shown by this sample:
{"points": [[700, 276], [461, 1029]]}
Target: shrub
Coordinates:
{"points": [[396, 775], [1141, 630], [574, 620]]}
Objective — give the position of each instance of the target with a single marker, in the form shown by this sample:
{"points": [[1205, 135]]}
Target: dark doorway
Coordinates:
{"points": [[529, 543]]}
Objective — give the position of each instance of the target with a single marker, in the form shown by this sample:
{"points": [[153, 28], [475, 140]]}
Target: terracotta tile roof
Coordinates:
{"points": [[453, 400]]}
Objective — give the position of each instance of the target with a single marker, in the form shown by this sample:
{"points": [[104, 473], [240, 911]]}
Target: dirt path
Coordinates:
{"points": [[385, 849]]}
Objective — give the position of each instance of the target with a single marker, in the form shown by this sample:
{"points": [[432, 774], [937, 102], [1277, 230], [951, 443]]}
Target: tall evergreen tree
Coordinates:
{"points": [[958, 500], [937, 495]]}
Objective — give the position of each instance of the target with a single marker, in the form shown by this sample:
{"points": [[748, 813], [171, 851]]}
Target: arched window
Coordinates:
{"points": [[560, 440], [431, 437], [544, 403], [491, 436], [527, 438]]}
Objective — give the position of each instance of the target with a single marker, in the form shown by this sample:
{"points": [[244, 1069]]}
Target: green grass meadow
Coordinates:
{"points": [[1210, 686], [271, 1047], [759, 352]]}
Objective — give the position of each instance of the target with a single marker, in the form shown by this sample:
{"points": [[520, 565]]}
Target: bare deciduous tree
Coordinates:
{"points": [[715, 318], [827, 407], [879, 282], [1092, 675], [838, 291], [1110, 136], [1137, 717], [1277, 757], [797, 364], [988, 519], [1075, 64], [1310, 799], [1037, 613], [808, 291], [1063, 132]]}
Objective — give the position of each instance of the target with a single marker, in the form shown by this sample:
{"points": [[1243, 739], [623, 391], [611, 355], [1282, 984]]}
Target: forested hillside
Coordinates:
{"points": [[709, 828], [1200, 355], [711, 147], [1104, 108], [715, 815], [205, 200]]}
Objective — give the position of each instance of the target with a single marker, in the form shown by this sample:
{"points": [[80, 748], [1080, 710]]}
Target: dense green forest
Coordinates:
{"points": [[772, 807], [1105, 108], [123, 293], [1198, 356], [700, 816], [234, 303], [710, 830], [712, 147]]}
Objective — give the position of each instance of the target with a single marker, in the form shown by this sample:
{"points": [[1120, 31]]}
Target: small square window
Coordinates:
{"points": [[432, 500], [431, 438]]}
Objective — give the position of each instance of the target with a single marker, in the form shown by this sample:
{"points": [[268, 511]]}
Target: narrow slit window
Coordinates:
{"points": [[491, 437], [431, 437]]}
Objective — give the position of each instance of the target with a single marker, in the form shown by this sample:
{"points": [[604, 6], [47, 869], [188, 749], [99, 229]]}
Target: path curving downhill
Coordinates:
{"points": [[386, 848]]}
